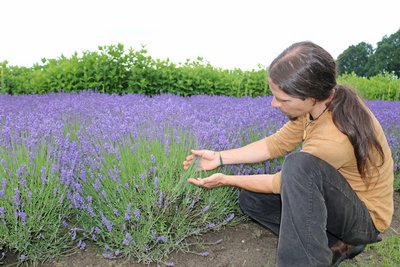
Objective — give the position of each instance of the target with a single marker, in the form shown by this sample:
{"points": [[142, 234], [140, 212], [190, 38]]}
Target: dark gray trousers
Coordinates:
{"points": [[316, 207]]}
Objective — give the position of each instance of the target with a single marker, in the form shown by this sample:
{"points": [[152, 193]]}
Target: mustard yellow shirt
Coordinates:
{"points": [[323, 139]]}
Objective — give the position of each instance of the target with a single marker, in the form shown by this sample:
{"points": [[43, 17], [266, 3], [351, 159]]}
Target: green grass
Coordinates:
{"points": [[383, 254]]}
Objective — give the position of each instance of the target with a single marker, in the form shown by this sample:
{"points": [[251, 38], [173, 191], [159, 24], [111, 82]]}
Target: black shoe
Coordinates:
{"points": [[341, 251]]}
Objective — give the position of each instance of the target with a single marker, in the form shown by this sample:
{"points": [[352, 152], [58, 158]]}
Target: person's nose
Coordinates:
{"points": [[275, 103]]}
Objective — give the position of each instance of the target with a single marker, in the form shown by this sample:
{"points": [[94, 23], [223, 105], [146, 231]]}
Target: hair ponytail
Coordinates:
{"points": [[352, 118]]}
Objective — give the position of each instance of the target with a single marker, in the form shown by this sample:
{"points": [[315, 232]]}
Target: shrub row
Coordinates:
{"points": [[115, 70], [112, 69], [381, 86]]}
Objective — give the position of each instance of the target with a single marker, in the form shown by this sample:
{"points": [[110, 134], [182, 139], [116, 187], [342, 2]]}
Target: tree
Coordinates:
{"points": [[355, 59], [386, 58]]}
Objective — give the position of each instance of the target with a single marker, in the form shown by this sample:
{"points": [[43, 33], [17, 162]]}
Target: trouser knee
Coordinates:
{"points": [[298, 166], [244, 201]]}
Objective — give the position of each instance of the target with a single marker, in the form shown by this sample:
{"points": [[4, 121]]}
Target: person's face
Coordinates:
{"points": [[290, 106]]}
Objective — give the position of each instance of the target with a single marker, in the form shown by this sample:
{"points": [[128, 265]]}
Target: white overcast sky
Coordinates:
{"points": [[226, 33]]}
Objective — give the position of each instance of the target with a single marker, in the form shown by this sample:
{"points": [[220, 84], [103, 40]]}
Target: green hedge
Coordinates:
{"points": [[384, 87], [115, 70], [112, 69]]}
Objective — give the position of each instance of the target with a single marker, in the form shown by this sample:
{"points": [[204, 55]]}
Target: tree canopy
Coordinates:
{"points": [[365, 61]]}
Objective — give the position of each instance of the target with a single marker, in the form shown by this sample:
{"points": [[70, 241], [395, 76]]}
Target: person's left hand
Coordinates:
{"points": [[212, 181]]}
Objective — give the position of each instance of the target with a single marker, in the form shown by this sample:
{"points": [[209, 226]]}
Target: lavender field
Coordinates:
{"points": [[107, 169]]}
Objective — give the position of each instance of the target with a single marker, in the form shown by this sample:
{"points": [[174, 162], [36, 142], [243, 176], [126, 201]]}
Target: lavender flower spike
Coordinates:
{"points": [[137, 213], [106, 222], [17, 200]]}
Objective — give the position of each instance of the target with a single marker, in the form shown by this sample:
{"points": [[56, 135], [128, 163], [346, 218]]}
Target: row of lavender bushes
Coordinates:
{"points": [[115, 69], [107, 169]]}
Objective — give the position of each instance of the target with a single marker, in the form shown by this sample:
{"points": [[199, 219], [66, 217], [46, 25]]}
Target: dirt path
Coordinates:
{"points": [[246, 244]]}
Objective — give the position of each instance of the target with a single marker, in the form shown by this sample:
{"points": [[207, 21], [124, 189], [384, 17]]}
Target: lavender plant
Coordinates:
{"points": [[138, 202], [33, 207]]}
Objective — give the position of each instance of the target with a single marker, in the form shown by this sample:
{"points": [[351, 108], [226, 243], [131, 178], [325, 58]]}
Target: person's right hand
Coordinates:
{"points": [[208, 159]]}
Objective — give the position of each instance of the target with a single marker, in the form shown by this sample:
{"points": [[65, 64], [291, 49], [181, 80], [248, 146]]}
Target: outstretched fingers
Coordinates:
{"points": [[188, 160], [196, 181]]}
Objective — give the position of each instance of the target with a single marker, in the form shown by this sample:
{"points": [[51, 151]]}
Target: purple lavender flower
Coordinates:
{"points": [[205, 209], [97, 185], [169, 264], [116, 212], [82, 175], [114, 174], [141, 176], [160, 199], [22, 182], [90, 211], [81, 245], [106, 222], [104, 194], [127, 239], [161, 238], [21, 171], [192, 204], [156, 184], [128, 212], [2, 213], [137, 213], [73, 236], [230, 218], [61, 199], [211, 226], [17, 200], [43, 175], [77, 187], [53, 169], [108, 255], [204, 254], [4, 163], [78, 201]]}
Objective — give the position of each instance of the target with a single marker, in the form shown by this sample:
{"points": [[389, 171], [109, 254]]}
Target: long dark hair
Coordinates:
{"points": [[307, 70]]}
